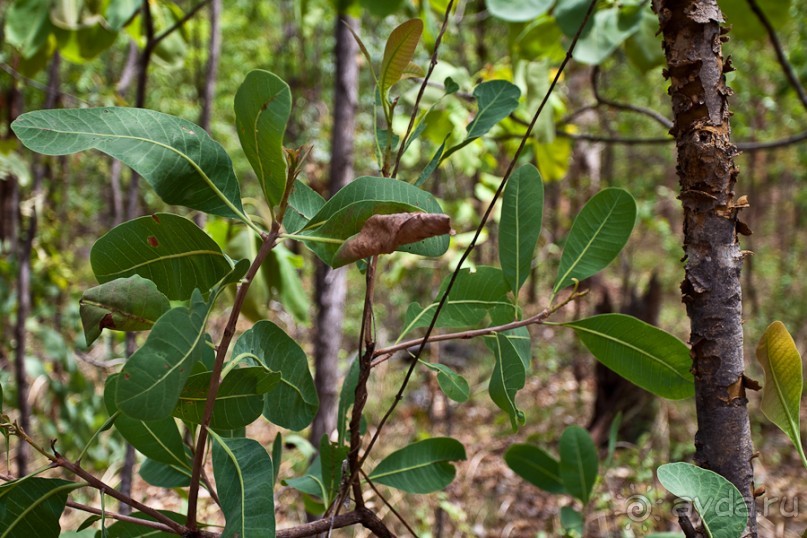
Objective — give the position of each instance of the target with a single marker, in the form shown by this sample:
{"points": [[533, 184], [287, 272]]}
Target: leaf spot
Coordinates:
{"points": [[153, 241]]}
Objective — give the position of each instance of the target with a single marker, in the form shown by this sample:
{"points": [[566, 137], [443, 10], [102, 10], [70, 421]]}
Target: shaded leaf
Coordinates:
{"points": [[123, 304], [421, 467], [451, 383], [719, 503], [280, 271], [745, 25], [126, 529], [27, 25], [163, 475], [599, 232], [178, 158], [347, 396], [508, 377], [398, 53], [520, 224], [277, 451], [262, 109], [644, 355], [784, 379], [167, 249], [606, 30], [31, 506], [243, 473], [293, 402], [572, 520], [383, 234], [152, 379], [536, 466], [578, 462], [239, 400], [304, 203]]}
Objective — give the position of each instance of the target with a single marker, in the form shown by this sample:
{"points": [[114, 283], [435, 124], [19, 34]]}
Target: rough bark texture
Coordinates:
{"points": [[331, 286], [711, 288]]}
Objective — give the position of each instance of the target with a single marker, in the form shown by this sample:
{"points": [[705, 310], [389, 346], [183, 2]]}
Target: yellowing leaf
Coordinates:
{"points": [[399, 52], [781, 394]]}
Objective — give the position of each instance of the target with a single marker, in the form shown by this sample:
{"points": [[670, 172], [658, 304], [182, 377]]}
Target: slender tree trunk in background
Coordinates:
{"points": [[128, 73], [331, 286], [711, 287]]}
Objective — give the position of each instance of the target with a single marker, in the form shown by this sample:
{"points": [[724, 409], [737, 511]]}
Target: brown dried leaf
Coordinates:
{"points": [[382, 234]]}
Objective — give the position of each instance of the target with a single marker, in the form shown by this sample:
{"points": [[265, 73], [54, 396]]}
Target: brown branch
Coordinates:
{"points": [[485, 217], [772, 144], [780, 53], [120, 517], [422, 89], [652, 114], [628, 141], [363, 516], [387, 504], [215, 379], [177, 25]]}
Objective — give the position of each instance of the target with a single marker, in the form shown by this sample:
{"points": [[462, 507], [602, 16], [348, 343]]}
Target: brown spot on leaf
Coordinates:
{"points": [[107, 322], [153, 241], [382, 234], [155, 217]]}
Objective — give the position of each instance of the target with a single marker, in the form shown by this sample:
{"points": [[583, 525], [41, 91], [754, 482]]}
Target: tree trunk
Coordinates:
{"points": [[331, 286], [711, 287]]}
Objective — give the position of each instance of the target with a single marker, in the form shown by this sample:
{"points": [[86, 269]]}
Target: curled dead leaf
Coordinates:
{"points": [[382, 234]]}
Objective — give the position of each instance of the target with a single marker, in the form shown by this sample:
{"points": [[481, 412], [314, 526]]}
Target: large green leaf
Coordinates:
{"points": [[518, 10], [27, 25], [473, 295], [534, 465], [644, 355], [167, 249], [784, 380], [344, 214], [123, 304], [599, 232], [399, 51], [293, 402], [719, 503], [163, 475], [606, 30], [178, 158], [159, 440], [153, 377], [243, 473], [31, 506], [578, 462], [262, 109], [508, 377], [421, 467], [520, 225], [128, 529], [239, 400]]}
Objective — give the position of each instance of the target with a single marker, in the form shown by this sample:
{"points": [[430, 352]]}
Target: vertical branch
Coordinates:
{"points": [[711, 289], [212, 68]]}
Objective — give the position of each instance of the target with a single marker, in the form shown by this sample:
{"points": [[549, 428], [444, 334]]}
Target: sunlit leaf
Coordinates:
{"points": [[719, 503], [644, 355], [123, 304], [534, 465], [178, 158], [578, 462], [784, 380], [262, 109], [508, 377], [451, 383], [606, 30], [520, 225], [422, 467], [599, 232], [243, 473], [398, 53], [518, 10]]}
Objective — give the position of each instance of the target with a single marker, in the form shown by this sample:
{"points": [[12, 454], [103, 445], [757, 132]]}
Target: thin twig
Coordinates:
{"points": [[595, 72], [780, 53], [120, 517], [422, 90], [485, 217], [179, 23], [625, 141], [38, 85], [387, 503], [772, 144]]}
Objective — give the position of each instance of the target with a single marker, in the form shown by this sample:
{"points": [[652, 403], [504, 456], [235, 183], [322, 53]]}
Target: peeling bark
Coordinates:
{"points": [[711, 288]]}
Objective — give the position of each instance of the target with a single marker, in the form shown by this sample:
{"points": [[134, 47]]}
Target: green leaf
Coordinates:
{"points": [[606, 30], [293, 402], [508, 377], [344, 214], [280, 271], [304, 203], [239, 400], [719, 503], [643, 48], [277, 451], [153, 377], [119, 12], [520, 225], [347, 396], [27, 25], [571, 520], [123, 304], [126, 529], [421, 467], [518, 10], [262, 109], [159, 440], [163, 475], [311, 482], [331, 456], [496, 100], [644, 355], [243, 473], [451, 383], [536, 466], [599, 232], [784, 380], [167, 249], [578, 462], [398, 53], [473, 295], [178, 158], [31, 506]]}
